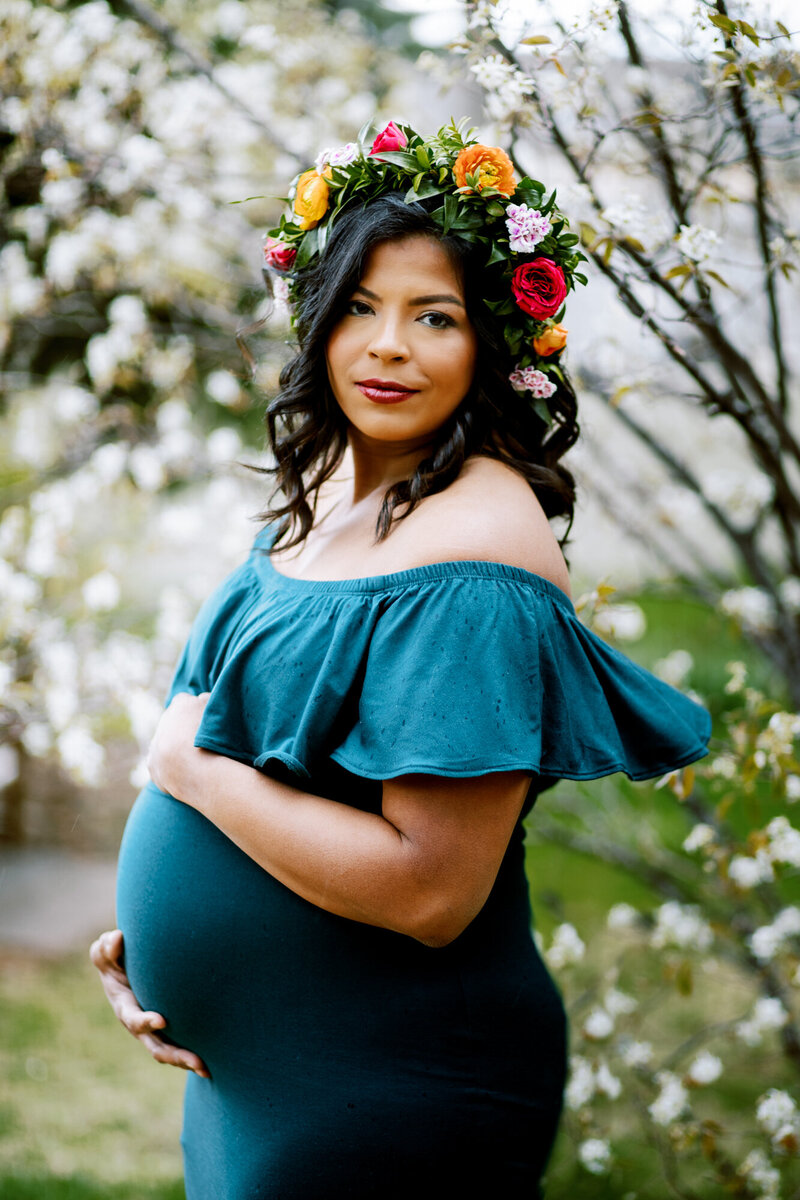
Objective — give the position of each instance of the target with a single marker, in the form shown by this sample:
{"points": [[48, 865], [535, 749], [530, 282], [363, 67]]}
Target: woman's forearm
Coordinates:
{"points": [[349, 862], [424, 867]]}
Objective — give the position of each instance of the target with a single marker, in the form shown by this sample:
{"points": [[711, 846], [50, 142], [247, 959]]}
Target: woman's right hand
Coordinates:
{"points": [[106, 954]]}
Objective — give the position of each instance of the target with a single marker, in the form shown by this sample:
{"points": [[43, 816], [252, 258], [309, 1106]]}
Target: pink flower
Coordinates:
{"points": [[279, 255], [390, 138], [526, 228], [529, 379]]}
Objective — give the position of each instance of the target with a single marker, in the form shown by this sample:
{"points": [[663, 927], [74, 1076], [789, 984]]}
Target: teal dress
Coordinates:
{"points": [[348, 1060]]}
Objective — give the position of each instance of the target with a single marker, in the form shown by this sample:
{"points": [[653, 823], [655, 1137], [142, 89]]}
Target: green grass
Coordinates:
{"points": [[84, 1111]]}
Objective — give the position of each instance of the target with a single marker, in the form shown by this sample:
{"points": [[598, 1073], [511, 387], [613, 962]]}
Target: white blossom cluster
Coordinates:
{"points": [[752, 607], [507, 88], [776, 1113], [587, 1079], [768, 1014], [697, 243], [566, 947], [768, 940], [133, 161], [681, 925], [741, 495], [759, 1172]]}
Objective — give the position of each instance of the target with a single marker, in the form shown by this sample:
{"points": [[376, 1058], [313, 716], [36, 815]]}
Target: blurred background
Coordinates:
{"points": [[145, 148]]}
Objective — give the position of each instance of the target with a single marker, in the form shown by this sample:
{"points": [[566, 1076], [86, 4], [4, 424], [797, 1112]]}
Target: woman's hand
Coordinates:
{"points": [[106, 954], [172, 756]]}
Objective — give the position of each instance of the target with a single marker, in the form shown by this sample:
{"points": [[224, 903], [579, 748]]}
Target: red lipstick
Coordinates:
{"points": [[385, 391]]}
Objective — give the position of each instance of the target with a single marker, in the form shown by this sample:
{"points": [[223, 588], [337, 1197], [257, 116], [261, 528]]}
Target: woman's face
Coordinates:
{"points": [[402, 358]]}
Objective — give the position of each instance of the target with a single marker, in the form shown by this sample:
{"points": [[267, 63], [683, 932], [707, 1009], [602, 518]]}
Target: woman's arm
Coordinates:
{"points": [[424, 867]]}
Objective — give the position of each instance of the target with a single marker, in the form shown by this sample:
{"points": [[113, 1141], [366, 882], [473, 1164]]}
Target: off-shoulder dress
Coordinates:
{"points": [[348, 1060]]}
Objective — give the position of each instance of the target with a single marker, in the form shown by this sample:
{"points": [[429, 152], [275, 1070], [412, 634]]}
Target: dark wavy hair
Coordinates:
{"points": [[307, 430]]}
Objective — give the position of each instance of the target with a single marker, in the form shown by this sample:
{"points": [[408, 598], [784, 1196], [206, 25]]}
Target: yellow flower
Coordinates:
{"points": [[311, 199], [491, 164], [551, 341]]}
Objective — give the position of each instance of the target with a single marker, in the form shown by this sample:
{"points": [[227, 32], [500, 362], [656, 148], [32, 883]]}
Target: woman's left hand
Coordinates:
{"points": [[172, 754]]}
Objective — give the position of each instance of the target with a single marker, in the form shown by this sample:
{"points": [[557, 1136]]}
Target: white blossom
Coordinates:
{"points": [[696, 242], [674, 668], [80, 754], [768, 1014], [618, 1003], [636, 219], [567, 947], [705, 1068], [599, 1024], [671, 1100], [580, 1084], [101, 592], [756, 1168], [595, 1155], [776, 1109], [724, 766], [751, 606], [789, 592], [747, 871], [635, 1053], [784, 841], [625, 622], [607, 1082], [681, 925], [792, 785], [738, 676], [701, 835], [622, 916], [741, 495]]}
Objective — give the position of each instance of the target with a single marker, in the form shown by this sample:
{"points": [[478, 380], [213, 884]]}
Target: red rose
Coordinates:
{"points": [[279, 255], [539, 288], [390, 138]]}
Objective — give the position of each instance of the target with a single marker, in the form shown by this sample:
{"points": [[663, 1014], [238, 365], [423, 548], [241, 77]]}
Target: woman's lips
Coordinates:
{"points": [[385, 391]]}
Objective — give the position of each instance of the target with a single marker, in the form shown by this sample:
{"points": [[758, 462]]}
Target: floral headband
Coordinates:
{"points": [[526, 239]]}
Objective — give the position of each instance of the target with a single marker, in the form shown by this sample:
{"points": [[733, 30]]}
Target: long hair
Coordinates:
{"points": [[307, 430]]}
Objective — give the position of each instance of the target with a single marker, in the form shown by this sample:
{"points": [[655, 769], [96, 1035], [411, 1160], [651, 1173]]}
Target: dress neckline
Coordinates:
{"points": [[426, 573]]}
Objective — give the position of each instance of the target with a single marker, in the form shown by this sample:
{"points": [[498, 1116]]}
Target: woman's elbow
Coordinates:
{"points": [[440, 922]]}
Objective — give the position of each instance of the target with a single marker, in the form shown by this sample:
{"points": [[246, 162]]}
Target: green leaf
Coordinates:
{"points": [[782, 29], [724, 23], [538, 39], [423, 158], [450, 211], [308, 247], [750, 75], [677, 272], [495, 209], [539, 406], [569, 239], [497, 255], [417, 181], [398, 158], [748, 31], [719, 279], [443, 174]]}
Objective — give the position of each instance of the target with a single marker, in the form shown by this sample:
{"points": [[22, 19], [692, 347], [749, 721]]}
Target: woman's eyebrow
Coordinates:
{"points": [[443, 299]]}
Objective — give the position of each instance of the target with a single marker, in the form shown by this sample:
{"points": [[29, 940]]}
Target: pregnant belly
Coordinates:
{"points": [[209, 935]]}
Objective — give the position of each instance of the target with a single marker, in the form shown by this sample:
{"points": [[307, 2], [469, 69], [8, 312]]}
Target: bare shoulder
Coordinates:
{"points": [[491, 514]]}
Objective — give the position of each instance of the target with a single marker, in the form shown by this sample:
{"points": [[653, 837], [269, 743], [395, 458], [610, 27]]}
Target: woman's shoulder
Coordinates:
{"points": [[489, 513]]}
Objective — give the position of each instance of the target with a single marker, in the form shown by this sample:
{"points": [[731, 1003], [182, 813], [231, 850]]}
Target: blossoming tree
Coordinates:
{"points": [[127, 135], [692, 119]]}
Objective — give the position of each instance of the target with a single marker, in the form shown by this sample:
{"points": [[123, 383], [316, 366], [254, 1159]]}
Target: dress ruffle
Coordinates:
{"points": [[455, 669]]}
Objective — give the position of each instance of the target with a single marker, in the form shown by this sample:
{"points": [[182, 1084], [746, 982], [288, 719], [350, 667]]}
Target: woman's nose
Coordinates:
{"points": [[388, 340]]}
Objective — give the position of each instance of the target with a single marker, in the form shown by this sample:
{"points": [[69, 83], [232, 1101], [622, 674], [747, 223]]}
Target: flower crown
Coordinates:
{"points": [[527, 240]]}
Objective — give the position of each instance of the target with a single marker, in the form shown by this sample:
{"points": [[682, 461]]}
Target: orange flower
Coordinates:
{"points": [[552, 340], [311, 199], [491, 164]]}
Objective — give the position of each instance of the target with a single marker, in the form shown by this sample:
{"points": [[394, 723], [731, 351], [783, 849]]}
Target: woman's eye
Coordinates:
{"points": [[437, 320], [358, 308]]}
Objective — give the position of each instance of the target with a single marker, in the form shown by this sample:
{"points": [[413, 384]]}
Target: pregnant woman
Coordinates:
{"points": [[322, 904]]}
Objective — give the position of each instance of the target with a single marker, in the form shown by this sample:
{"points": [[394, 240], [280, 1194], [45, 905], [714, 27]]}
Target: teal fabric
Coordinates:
{"points": [[350, 1062], [456, 669]]}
